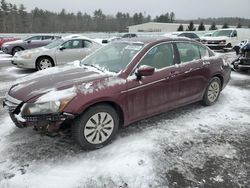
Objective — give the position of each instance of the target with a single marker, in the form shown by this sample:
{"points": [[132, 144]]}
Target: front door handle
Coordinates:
{"points": [[206, 63], [174, 72]]}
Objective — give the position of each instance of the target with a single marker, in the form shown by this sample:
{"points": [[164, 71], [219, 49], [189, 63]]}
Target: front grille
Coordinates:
{"points": [[213, 42], [216, 47], [45, 117], [11, 103]]}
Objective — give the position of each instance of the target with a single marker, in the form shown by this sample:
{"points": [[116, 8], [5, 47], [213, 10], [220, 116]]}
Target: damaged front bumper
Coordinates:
{"points": [[48, 122]]}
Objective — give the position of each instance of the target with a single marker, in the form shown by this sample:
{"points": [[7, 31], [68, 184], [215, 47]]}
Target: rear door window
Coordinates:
{"points": [[73, 44], [203, 52], [188, 51], [87, 44], [35, 38], [48, 37]]}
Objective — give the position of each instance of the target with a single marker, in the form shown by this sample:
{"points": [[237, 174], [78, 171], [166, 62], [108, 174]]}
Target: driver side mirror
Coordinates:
{"points": [[62, 48], [144, 70], [29, 41]]}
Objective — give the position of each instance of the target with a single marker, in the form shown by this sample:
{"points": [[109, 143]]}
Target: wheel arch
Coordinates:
{"points": [[111, 103], [47, 56], [12, 49], [220, 77]]}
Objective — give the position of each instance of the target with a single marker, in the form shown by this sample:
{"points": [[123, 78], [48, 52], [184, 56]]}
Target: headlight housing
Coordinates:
{"points": [[26, 56], [204, 41], [49, 107], [222, 42]]}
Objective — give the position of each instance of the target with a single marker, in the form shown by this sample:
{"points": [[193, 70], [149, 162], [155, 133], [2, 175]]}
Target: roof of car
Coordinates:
{"points": [[147, 40]]}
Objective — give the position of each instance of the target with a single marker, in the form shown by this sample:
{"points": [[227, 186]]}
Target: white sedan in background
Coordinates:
{"points": [[59, 52]]}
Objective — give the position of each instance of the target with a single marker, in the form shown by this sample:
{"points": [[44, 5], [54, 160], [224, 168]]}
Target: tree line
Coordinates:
{"points": [[16, 19], [202, 27]]}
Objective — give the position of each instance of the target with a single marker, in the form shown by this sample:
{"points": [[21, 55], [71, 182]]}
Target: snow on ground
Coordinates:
{"points": [[193, 146], [137, 158]]}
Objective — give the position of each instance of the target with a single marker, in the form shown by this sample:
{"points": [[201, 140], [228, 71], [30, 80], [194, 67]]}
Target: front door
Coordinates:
{"points": [[153, 94], [70, 51]]}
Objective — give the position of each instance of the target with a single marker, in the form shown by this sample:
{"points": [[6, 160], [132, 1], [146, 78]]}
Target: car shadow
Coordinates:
{"points": [[25, 71]]}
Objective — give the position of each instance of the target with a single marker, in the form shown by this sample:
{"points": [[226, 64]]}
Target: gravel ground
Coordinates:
{"points": [[193, 146]]}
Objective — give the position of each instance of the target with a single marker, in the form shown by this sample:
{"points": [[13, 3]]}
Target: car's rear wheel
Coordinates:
{"points": [[44, 63], [96, 127], [212, 92], [16, 49]]}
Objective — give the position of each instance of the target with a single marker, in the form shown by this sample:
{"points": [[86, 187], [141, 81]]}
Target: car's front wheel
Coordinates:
{"points": [[96, 127], [44, 63], [212, 92]]}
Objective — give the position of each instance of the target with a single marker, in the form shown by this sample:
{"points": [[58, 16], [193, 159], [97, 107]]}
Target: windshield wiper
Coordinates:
{"points": [[88, 65]]}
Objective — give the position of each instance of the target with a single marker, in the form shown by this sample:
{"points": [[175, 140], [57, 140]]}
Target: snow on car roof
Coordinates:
{"points": [[76, 37]]}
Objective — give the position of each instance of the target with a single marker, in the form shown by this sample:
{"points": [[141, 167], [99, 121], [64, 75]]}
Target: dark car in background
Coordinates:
{"points": [[129, 35], [190, 35], [123, 82], [28, 43], [242, 63]]}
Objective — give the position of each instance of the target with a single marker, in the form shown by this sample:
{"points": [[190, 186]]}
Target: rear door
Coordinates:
{"points": [[194, 71]]}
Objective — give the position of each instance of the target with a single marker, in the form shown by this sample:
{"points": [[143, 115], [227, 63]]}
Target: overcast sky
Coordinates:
{"points": [[183, 9]]}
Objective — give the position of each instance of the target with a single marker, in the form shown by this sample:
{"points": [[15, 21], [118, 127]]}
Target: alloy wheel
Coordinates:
{"points": [[213, 91], [44, 64], [99, 128]]}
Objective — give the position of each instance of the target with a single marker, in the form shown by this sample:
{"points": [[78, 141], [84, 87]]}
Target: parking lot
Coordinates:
{"points": [[193, 146]]}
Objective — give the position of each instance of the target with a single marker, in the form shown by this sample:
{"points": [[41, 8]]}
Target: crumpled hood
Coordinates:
{"points": [[56, 78]]}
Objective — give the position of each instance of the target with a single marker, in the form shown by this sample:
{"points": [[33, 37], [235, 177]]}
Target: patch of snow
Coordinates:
{"points": [[239, 76], [132, 77], [218, 178], [19, 117], [87, 88], [5, 85], [126, 160], [6, 128], [134, 158], [55, 95]]}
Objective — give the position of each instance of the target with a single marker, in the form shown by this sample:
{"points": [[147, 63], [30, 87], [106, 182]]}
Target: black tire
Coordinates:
{"points": [[212, 92], [44, 63], [96, 127], [16, 49]]}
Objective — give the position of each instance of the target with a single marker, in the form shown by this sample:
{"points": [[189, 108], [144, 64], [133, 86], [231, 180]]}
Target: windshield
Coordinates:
{"points": [[114, 57], [226, 33], [54, 44]]}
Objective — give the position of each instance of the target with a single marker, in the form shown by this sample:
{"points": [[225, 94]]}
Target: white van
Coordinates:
{"points": [[226, 39]]}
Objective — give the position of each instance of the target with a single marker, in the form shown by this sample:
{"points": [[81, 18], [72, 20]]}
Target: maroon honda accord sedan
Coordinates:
{"points": [[123, 82]]}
